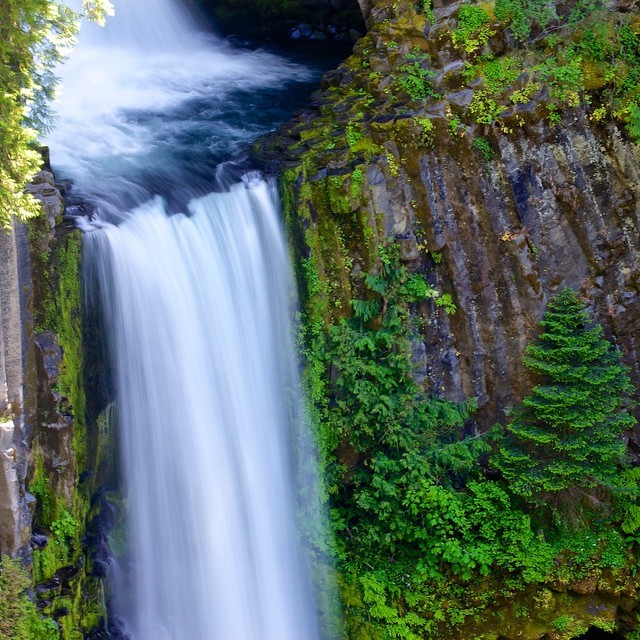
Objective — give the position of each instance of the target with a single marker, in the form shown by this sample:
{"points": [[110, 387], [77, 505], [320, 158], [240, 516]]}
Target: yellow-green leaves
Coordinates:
{"points": [[97, 10]]}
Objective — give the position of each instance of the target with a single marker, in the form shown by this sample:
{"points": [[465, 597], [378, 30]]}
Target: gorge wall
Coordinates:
{"points": [[496, 149], [57, 446], [504, 170], [15, 518], [498, 204]]}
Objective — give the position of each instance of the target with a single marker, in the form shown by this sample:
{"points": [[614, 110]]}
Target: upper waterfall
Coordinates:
{"points": [[147, 26], [150, 104]]}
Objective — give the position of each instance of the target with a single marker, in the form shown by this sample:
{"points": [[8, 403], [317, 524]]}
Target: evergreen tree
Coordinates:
{"points": [[568, 432]]}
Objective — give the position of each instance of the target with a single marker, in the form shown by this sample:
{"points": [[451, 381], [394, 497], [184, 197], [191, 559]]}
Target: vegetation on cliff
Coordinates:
{"points": [[569, 432], [426, 539], [19, 619], [433, 542], [34, 37], [62, 476]]}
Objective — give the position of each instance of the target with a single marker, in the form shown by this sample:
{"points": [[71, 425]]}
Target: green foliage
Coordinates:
{"points": [[19, 619], [65, 527], [497, 74], [633, 121], [354, 135], [357, 181], [446, 302], [583, 55], [41, 489], [482, 145], [415, 81], [425, 6], [484, 108], [378, 412], [563, 76], [34, 37], [392, 163], [523, 16], [568, 432], [473, 29], [32, 34], [424, 541], [98, 10]]}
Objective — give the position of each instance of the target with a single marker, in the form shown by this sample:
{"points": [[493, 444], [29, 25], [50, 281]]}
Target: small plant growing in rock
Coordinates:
{"points": [[473, 29], [482, 145]]}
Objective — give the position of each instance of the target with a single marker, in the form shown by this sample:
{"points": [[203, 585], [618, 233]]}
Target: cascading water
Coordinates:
{"points": [[152, 108], [199, 318], [198, 313]]}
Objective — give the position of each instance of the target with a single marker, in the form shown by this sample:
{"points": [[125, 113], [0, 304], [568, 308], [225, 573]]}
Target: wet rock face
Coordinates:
{"points": [[14, 512], [20, 373], [498, 211], [56, 420], [14, 509], [552, 211], [43, 188]]}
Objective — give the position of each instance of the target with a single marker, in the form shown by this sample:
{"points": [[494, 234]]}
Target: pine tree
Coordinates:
{"points": [[568, 431]]}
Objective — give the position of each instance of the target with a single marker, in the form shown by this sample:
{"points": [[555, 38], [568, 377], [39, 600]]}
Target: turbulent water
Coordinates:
{"points": [[198, 313], [150, 105]]}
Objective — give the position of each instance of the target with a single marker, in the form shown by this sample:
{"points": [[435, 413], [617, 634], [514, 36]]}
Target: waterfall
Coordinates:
{"points": [[199, 318], [149, 105], [197, 307]]}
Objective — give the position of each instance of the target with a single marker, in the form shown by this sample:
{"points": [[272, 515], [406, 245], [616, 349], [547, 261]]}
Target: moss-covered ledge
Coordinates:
{"points": [[67, 448]]}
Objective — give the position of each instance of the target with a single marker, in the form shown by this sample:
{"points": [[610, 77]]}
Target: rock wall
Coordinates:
{"points": [[498, 214], [15, 518], [72, 444], [56, 453], [501, 187]]}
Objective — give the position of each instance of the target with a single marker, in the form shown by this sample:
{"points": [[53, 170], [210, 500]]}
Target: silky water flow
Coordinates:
{"points": [[199, 317], [198, 311]]}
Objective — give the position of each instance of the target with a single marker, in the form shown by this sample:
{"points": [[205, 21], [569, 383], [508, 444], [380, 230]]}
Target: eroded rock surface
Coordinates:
{"points": [[15, 517], [498, 214]]}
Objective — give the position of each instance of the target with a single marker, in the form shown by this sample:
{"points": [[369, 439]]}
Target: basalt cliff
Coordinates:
{"points": [[494, 147]]}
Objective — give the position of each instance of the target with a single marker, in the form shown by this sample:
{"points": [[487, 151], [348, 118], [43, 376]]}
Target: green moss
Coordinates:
{"points": [[19, 618], [62, 501]]}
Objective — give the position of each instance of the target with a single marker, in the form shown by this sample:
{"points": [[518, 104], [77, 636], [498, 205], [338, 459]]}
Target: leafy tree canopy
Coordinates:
{"points": [[35, 35]]}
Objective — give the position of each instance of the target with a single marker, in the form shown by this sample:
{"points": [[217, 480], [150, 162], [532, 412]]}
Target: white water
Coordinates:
{"points": [[208, 398], [148, 93], [198, 314]]}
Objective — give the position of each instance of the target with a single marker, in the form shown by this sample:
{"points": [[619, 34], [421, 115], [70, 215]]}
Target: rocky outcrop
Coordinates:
{"points": [[69, 452], [56, 450], [559, 612], [498, 198], [15, 517]]}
